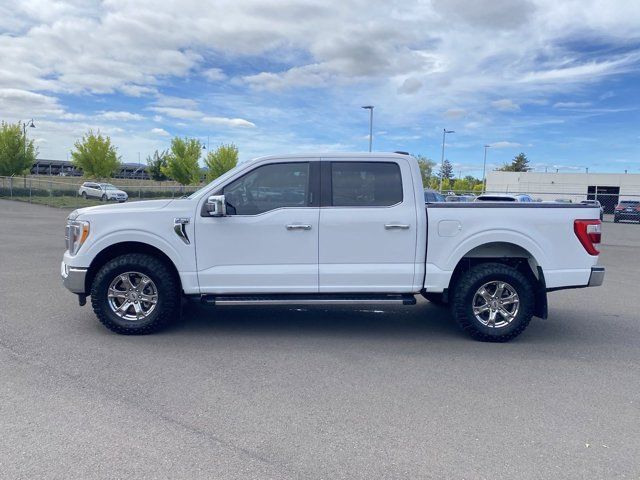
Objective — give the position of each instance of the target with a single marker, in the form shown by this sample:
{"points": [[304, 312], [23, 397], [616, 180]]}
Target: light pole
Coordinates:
{"points": [[24, 132], [444, 135], [484, 169], [370, 108]]}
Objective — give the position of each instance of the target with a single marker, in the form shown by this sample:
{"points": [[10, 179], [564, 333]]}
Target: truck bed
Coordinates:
{"points": [[542, 231]]}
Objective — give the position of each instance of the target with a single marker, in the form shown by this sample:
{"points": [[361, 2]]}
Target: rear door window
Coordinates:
{"points": [[365, 184]]}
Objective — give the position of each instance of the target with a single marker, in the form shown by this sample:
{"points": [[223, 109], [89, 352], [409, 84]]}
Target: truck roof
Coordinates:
{"points": [[368, 155]]}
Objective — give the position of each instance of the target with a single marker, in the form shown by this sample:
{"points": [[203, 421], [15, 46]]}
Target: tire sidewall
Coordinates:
{"points": [[101, 286], [526, 297]]}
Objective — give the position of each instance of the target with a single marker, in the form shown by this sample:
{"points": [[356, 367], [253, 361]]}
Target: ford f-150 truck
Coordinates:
{"points": [[328, 229]]}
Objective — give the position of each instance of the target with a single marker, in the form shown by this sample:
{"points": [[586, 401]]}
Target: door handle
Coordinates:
{"points": [[396, 226], [298, 227]]}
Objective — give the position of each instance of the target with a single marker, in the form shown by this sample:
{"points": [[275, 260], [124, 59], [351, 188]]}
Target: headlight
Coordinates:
{"points": [[76, 233]]}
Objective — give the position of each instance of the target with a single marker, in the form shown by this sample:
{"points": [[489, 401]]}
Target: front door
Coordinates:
{"points": [[368, 224], [268, 242]]}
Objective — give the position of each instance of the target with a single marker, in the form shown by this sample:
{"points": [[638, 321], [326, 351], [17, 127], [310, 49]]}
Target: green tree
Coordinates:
{"points": [[155, 164], [182, 162], [466, 184], [223, 159], [95, 155], [17, 154], [426, 169], [446, 170], [520, 163]]}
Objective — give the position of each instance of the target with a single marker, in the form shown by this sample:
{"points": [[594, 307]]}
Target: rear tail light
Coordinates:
{"points": [[637, 209], [589, 233], [618, 207]]}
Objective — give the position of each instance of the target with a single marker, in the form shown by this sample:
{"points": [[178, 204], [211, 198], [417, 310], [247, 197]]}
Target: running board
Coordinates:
{"points": [[309, 299]]}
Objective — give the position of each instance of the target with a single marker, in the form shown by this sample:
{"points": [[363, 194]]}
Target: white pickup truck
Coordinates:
{"points": [[328, 229]]}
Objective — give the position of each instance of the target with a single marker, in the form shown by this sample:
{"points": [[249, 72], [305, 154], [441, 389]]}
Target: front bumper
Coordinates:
{"points": [[73, 278], [597, 277]]}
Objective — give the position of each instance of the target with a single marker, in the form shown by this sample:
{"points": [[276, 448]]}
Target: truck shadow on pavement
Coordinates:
{"points": [[370, 320], [423, 322]]}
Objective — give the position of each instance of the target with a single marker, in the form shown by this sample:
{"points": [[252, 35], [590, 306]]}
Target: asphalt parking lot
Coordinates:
{"points": [[330, 393]]}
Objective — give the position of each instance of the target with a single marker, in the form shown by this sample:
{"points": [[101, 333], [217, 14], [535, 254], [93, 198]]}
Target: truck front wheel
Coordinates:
{"points": [[493, 302], [135, 294]]}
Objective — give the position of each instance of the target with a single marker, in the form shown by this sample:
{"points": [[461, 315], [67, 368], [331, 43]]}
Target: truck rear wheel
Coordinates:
{"points": [[493, 302], [135, 294]]}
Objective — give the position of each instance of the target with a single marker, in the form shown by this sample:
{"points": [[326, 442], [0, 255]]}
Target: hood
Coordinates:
{"points": [[118, 192], [129, 207]]}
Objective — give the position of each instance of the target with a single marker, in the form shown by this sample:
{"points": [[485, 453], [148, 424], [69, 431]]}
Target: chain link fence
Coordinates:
{"points": [[65, 193]]}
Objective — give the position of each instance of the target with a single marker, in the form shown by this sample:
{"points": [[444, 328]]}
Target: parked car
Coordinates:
{"points": [[346, 229], [431, 196], [627, 210], [459, 198], [103, 191], [594, 203], [503, 197]]}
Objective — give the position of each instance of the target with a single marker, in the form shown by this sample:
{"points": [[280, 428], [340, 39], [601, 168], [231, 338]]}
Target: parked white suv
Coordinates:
{"points": [[103, 191], [329, 229]]}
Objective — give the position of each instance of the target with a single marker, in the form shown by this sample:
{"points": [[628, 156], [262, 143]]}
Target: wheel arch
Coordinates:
{"points": [[513, 255], [122, 248]]}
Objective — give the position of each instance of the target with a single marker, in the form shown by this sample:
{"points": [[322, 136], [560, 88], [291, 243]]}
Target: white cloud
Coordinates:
{"points": [[176, 112], [120, 116], [228, 122], [571, 104], [505, 144], [214, 74], [505, 105], [455, 113], [410, 86], [160, 131]]}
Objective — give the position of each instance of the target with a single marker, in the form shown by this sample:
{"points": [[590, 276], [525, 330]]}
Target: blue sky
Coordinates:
{"points": [[556, 80]]}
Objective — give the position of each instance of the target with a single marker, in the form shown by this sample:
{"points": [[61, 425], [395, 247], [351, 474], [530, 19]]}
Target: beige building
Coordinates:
{"points": [[608, 188]]}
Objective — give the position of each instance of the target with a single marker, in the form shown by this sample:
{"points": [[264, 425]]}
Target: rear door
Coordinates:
{"points": [[368, 226]]}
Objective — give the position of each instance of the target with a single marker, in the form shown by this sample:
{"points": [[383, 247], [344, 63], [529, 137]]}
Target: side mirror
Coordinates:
{"points": [[216, 206]]}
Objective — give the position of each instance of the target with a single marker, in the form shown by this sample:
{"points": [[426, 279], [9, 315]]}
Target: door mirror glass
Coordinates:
{"points": [[216, 206]]}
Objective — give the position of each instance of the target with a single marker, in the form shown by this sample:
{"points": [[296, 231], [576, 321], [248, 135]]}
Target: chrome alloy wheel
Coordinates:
{"points": [[496, 304], [132, 296]]}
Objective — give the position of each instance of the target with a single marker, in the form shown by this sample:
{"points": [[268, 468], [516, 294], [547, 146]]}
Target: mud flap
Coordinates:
{"points": [[541, 309]]}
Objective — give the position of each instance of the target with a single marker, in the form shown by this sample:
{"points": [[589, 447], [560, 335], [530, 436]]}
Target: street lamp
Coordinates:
{"points": [[444, 134], [24, 132], [484, 169], [370, 108]]}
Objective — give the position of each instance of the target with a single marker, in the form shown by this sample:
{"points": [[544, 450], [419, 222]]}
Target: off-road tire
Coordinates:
{"points": [[84, 195], [435, 298], [169, 300], [468, 284], [104, 198]]}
